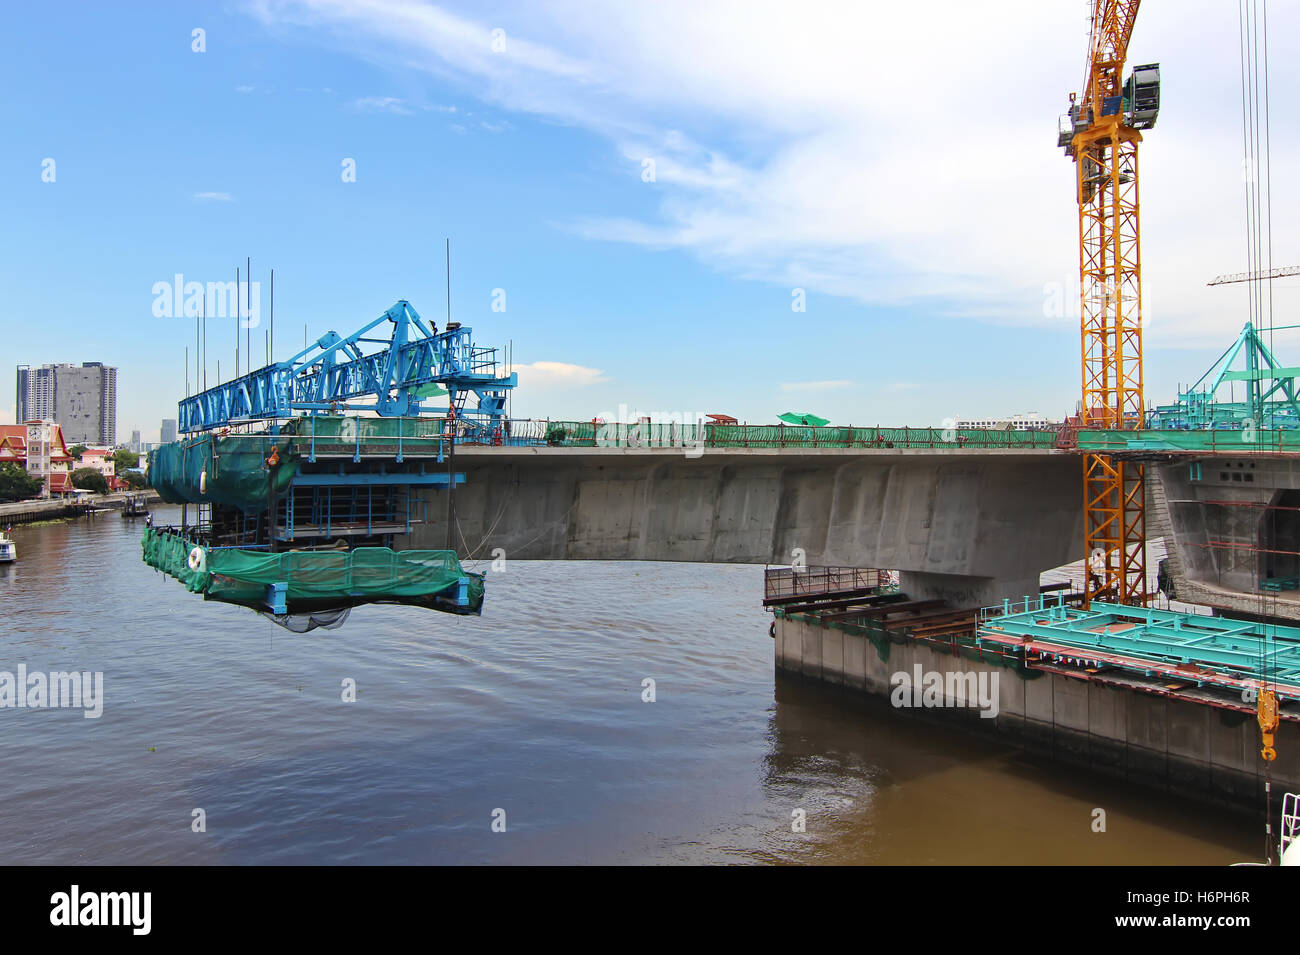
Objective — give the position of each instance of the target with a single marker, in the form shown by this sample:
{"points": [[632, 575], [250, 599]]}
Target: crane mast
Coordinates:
{"points": [[1101, 133]]}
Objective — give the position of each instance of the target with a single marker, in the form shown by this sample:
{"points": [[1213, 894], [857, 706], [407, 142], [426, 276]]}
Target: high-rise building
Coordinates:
{"points": [[168, 432], [81, 398], [135, 441], [35, 394]]}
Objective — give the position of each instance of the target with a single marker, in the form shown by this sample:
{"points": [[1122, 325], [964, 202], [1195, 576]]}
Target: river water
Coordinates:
{"points": [[535, 709]]}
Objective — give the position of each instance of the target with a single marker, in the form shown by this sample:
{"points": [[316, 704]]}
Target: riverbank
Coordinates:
{"points": [[28, 512]]}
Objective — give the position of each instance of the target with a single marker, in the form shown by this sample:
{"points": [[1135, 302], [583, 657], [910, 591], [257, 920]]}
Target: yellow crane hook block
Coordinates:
{"points": [[1266, 713]]}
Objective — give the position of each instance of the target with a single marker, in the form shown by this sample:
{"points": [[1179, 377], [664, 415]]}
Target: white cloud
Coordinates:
{"points": [[214, 197], [888, 153], [557, 374], [830, 385], [382, 104], [245, 88]]}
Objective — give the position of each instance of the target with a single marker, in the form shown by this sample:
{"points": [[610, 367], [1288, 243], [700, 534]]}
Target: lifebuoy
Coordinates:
{"points": [[198, 560], [771, 631]]}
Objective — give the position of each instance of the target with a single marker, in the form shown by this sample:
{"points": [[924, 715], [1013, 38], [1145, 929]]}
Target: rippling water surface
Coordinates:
{"points": [[535, 708]]}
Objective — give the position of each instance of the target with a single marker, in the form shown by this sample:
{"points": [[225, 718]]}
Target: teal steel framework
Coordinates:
{"points": [[1218, 651], [1268, 397]]}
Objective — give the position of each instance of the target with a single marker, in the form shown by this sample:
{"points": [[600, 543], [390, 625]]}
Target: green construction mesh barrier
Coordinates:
{"points": [[785, 436], [571, 434], [315, 579], [351, 431], [1210, 440], [227, 470], [588, 434]]}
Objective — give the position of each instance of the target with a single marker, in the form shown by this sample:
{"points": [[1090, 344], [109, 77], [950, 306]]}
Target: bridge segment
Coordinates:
{"points": [[968, 526]]}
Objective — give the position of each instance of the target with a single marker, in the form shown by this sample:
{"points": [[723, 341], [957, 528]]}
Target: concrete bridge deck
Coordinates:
{"points": [[969, 526]]}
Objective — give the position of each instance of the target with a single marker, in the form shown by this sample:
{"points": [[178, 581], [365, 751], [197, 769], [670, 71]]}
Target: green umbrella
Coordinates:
{"points": [[799, 417]]}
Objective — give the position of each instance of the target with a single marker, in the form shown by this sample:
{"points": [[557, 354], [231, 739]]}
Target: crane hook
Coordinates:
{"points": [[1266, 714]]}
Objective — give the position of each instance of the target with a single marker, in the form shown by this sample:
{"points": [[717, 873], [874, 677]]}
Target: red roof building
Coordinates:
{"points": [[14, 450]]}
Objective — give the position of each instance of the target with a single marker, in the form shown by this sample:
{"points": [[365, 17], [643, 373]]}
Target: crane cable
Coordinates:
{"points": [[1257, 170], [1252, 18]]}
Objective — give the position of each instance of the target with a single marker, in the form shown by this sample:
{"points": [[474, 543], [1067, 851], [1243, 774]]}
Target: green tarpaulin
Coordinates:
{"points": [[230, 470], [315, 579]]}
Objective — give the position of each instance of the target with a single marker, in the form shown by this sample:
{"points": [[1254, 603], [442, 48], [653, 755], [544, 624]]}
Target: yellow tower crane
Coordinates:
{"points": [[1101, 133]]}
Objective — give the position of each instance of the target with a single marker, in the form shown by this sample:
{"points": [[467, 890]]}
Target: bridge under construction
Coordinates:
{"points": [[368, 466]]}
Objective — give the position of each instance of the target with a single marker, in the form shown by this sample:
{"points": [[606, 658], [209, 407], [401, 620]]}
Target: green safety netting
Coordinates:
{"points": [[227, 470], [772, 436], [587, 434], [316, 579], [571, 434], [232, 470], [353, 430], [1208, 440]]}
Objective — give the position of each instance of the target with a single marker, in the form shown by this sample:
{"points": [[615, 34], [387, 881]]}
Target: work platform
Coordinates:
{"points": [[310, 581], [333, 477], [1183, 650], [302, 517]]}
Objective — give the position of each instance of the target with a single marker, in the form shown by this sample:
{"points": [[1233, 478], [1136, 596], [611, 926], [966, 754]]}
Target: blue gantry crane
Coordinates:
{"points": [[335, 375]]}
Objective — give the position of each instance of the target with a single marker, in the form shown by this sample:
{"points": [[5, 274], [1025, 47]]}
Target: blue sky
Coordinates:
{"points": [[898, 166]]}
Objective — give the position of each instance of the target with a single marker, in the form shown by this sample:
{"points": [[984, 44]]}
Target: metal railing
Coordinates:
{"points": [[595, 434], [812, 581], [1210, 440], [360, 434]]}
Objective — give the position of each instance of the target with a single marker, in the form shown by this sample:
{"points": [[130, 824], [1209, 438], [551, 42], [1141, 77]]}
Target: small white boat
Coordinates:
{"points": [[8, 549]]}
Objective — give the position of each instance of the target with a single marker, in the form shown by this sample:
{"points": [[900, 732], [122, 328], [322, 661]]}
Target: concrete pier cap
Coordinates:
{"points": [[969, 526]]}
